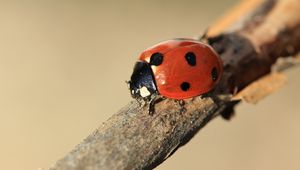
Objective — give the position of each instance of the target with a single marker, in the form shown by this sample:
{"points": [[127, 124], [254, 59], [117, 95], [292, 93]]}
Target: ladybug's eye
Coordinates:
{"points": [[214, 74], [190, 58], [156, 59]]}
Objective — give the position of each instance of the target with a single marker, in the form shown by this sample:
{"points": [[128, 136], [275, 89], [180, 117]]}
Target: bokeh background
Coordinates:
{"points": [[63, 66]]}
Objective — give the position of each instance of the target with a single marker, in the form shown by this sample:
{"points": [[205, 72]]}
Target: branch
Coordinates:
{"points": [[249, 45]]}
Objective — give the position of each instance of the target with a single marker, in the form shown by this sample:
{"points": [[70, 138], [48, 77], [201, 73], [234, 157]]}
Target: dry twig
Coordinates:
{"points": [[249, 39]]}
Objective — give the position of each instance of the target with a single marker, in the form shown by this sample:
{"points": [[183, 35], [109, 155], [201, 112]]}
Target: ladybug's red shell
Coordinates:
{"points": [[188, 68]]}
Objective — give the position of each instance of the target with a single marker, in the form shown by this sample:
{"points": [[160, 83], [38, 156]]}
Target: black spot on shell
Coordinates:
{"points": [[185, 86], [190, 58], [156, 59], [214, 74]]}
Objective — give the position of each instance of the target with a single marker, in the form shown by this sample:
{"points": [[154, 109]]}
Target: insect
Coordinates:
{"points": [[177, 69]]}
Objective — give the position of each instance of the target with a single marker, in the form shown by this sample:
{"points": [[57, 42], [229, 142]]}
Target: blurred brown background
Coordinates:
{"points": [[63, 66]]}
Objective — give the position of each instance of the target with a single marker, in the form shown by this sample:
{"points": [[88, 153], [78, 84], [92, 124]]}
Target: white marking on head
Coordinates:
{"points": [[147, 59], [144, 92], [153, 69]]}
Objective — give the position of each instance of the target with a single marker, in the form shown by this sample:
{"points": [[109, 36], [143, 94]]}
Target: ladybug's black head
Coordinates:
{"points": [[142, 83]]}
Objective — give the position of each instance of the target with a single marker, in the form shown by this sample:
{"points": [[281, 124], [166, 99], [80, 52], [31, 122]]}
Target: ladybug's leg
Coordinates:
{"points": [[151, 108], [204, 37], [155, 98], [142, 103], [139, 102]]}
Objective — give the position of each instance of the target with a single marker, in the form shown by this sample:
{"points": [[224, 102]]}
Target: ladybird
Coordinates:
{"points": [[176, 69]]}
